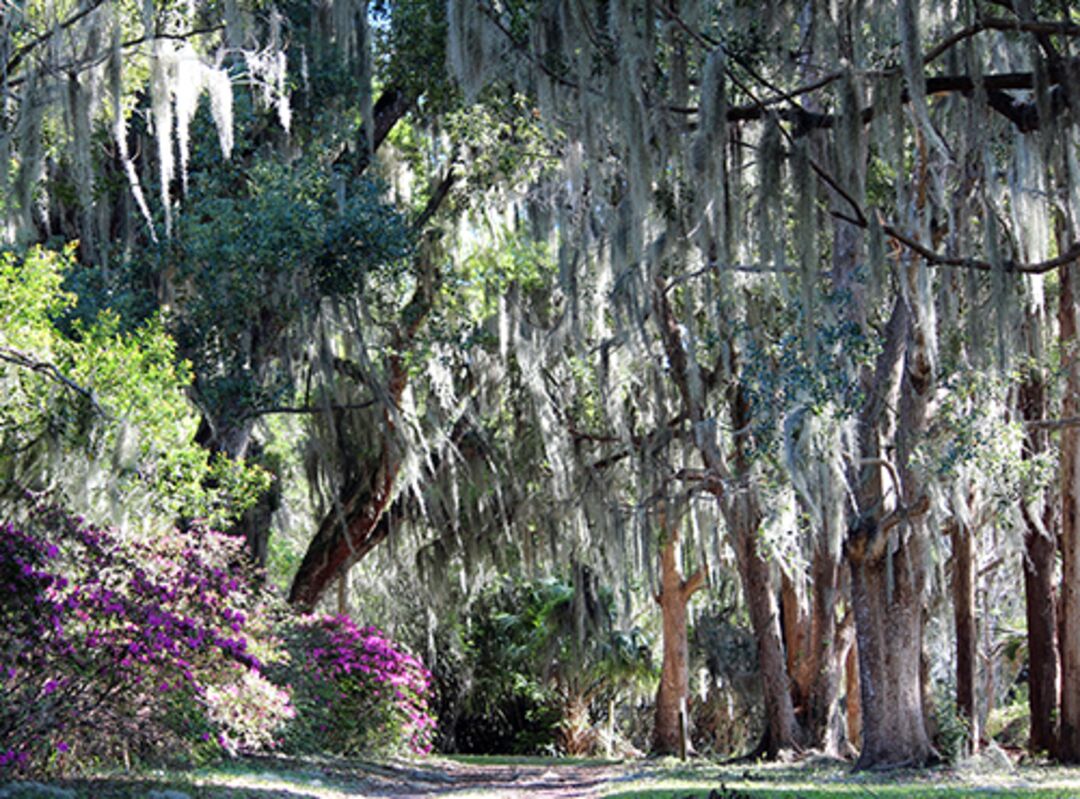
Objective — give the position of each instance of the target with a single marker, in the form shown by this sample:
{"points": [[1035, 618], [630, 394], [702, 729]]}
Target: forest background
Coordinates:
{"points": [[512, 327]]}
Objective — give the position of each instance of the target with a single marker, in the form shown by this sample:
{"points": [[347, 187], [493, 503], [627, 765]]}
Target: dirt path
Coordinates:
{"points": [[456, 780], [318, 778]]}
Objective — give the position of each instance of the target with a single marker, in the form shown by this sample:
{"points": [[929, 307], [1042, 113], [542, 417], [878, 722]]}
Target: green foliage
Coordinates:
{"points": [[504, 142], [1009, 723], [96, 409], [471, 293], [409, 37], [782, 374], [953, 735], [537, 656], [252, 268], [973, 441], [356, 690]]}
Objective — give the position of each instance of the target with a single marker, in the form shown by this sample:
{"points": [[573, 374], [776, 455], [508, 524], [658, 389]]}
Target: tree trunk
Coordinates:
{"points": [[783, 728], [814, 654], [233, 438], [358, 523], [1069, 740], [886, 551], [1040, 552], [963, 586], [346, 537], [795, 625], [886, 596], [672, 699], [854, 699], [821, 723], [743, 520], [343, 593], [348, 532]]}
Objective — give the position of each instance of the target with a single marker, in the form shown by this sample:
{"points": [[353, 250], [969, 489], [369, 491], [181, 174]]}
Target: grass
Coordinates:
{"points": [[496, 777], [837, 781]]}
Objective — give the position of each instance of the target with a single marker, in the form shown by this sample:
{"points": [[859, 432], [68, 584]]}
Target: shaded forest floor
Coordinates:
{"points": [[516, 778]]}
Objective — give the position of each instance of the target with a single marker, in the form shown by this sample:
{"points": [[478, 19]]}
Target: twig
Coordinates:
{"points": [[1053, 424], [308, 409], [23, 51], [1002, 24], [52, 371]]}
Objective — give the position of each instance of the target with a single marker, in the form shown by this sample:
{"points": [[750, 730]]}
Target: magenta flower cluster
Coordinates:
{"points": [[358, 690], [114, 645]]}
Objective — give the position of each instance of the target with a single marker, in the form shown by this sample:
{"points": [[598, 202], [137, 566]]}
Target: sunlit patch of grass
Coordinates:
{"points": [[846, 792], [839, 782]]}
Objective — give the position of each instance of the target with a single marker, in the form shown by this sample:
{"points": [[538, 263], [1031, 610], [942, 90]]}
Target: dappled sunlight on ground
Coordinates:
{"points": [[825, 779], [536, 778]]}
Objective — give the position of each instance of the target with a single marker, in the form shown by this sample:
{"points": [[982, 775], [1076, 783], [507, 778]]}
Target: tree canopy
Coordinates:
{"points": [[659, 290]]}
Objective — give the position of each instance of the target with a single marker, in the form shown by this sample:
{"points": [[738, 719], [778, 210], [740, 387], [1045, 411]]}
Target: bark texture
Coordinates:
{"points": [[963, 588], [346, 537], [1069, 739], [1040, 551], [734, 490], [852, 690], [886, 596], [672, 699]]}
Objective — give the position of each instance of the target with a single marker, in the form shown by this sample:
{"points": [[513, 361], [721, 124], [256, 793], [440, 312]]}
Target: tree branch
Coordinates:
{"points": [[1053, 424], [89, 63], [50, 370], [901, 513], [937, 259], [308, 409], [20, 54], [1037, 27], [694, 583], [438, 195]]}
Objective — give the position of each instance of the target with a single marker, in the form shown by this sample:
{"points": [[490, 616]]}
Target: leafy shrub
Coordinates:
{"points": [[1009, 721], [953, 735], [101, 410], [355, 690], [537, 664], [112, 647]]}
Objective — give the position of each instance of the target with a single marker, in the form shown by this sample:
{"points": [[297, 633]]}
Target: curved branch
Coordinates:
{"points": [[20, 54], [694, 583], [26, 361], [934, 258], [1037, 27], [82, 64]]}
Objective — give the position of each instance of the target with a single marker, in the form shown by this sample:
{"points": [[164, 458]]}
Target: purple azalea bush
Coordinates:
{"points": [[355, 690], [115, 648]]}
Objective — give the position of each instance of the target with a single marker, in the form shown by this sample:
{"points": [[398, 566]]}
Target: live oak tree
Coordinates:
{"points": [[775, 236], [878, 175]]}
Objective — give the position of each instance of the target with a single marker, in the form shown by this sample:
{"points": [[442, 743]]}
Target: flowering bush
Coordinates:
{"points": [[355, 690], [113, 647], [248, 711]]}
